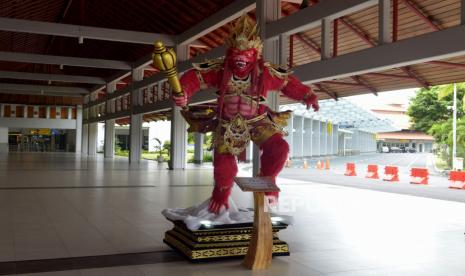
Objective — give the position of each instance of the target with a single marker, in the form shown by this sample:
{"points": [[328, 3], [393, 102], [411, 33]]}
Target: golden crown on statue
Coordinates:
{"points": [[245, 35]]}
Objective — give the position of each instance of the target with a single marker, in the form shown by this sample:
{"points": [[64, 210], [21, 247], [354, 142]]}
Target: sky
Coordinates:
{"points": [[369, 101]]}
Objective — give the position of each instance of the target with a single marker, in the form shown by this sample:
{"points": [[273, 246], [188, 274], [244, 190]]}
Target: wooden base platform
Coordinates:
{"points": [[219, 241]]}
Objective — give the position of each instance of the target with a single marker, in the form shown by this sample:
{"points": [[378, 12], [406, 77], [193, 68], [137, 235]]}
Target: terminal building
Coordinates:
{"points": [[403, 137], [338, 128]]}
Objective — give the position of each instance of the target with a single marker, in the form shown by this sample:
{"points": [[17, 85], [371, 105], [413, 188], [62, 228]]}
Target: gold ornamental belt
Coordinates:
{"points": [[237, 132]]}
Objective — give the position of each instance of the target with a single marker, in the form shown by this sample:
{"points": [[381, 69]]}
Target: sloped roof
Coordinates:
{"points": [[405, 135], [356, 32], [344, 113]]}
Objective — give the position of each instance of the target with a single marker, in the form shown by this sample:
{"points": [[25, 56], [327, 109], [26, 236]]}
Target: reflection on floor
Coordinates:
{"points": [[338, 230]]}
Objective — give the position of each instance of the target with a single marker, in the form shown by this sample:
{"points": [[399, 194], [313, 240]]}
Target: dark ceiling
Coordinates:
{"points": [[160, 16]]}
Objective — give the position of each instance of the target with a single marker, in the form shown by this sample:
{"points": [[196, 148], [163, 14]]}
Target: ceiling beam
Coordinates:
{"points": [[82, 32], [438, 45], [213, 22], [343, 83], [50, 77], [182, 66], [40, 93], [412, 6], [62, 60], [333, 95], [394, 76], [311, 16], [10, 87], [448, 64], [407, 70], [216, 20], [356, 30], [365, 84]]}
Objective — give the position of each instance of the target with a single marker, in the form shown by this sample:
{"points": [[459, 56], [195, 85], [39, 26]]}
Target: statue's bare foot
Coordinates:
{"points": [[216, 205]]}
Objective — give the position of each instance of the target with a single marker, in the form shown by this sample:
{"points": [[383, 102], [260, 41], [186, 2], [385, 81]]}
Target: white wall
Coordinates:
{"points": [[37, 123], [100, 136], [3, 139], [316, 141], [160, 130]]}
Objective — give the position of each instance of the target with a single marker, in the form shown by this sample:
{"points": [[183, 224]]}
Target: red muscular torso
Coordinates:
{"points": [[244, 101]]}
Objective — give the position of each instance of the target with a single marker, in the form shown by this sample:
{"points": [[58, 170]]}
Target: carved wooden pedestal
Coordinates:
{"points": [[261, 245]]}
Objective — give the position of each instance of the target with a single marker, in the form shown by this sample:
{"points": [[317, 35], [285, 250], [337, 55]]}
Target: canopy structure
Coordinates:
{"points": [[345, 114]]}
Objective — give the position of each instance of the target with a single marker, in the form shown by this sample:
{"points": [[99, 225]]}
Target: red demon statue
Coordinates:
{"points": [[244, 80]]}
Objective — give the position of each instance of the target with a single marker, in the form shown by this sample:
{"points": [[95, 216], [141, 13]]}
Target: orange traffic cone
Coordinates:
{"points": [[327, 164], [319, 166], [305, 164]]}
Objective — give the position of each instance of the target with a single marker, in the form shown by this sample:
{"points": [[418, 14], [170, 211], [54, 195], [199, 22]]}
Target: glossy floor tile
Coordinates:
{"points": [[62, 205]]}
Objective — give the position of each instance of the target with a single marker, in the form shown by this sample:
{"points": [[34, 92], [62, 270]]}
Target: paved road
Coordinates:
{"points": [[405, 161], [437, 188]]}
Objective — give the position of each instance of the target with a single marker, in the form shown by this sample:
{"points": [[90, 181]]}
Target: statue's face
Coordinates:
{"points": [[241, 62]]}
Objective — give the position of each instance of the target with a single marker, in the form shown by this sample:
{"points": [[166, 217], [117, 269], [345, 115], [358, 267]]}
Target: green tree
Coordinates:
{"points": [[208, 140], [167, 147], [442, 132], [190, 138], [431, 106], [425, 109]]}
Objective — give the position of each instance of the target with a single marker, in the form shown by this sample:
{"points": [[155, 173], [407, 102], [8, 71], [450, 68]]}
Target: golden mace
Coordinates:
{"points": [[165, 60]]}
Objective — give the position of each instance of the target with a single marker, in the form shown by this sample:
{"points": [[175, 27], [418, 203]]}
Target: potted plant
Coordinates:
{"points": [[159, 150]]}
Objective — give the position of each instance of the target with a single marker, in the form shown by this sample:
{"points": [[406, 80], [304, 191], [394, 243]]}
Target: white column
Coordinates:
{"points": [[302, 136], [178, 158], [331, 140], [324, 137], [135, 128], [307, 141], [384, 24], [268, 11], [85, 139], [273, 50], [1, 110], [335, 139], [79, 127], [297, 137], [93, 135], [109, 140], [249, 153], [198, 148], [311, 137], [70, 113], [326, 38], [3, 139], [328, 139], [316, 135], [47, 112], [290, 135]]}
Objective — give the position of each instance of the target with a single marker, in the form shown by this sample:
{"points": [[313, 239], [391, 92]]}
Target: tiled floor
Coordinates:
{"points": [[337, 230]]}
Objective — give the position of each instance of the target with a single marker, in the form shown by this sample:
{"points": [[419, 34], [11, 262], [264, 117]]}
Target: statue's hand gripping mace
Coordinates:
{"points": [[165, 60]]}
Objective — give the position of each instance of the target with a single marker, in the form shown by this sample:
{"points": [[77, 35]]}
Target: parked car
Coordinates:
{"points": [[410, 149], [385, 149], [395, 150]]}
